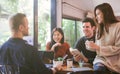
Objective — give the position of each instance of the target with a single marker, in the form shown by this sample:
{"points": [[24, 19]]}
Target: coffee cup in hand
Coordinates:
{"points": [[88, 47]]}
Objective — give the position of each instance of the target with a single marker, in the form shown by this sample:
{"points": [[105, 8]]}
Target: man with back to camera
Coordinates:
{"points": [[89, 32], [18, 52]]}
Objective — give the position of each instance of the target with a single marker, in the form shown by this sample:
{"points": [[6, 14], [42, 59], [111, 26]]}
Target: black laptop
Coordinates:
{"points": [[46, 56]]}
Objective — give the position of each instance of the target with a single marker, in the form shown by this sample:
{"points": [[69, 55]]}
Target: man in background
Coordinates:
{"points": [[89, 32]]}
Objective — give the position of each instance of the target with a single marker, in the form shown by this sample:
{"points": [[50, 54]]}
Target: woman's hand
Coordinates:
{"points": [[55, 45], [90, 45]]}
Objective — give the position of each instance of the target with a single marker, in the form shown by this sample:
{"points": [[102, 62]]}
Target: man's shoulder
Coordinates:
{"points": [[17, 45], [5, 44], [82, 38], [28, 46]]}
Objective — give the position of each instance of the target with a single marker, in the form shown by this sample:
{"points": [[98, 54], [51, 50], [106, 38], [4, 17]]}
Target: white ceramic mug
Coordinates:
{"points": [[87, 45], [69, 63], [57, 63]]}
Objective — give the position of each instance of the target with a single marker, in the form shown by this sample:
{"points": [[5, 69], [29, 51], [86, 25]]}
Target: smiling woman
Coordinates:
{"points": [[57, 44]]}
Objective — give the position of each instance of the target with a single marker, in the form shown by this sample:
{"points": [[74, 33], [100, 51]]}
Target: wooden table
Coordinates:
{"points": [[75, 67]]}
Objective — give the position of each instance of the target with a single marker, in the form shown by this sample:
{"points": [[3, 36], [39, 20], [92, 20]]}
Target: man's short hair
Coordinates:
{"points": [[16, 20], [89, 20]]}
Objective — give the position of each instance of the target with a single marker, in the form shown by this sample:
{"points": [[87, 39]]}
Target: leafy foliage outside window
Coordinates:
{"points": [[9, 7], [43, 23], [69, 29]]}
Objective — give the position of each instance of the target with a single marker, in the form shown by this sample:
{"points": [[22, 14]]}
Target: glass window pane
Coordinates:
{"points": [[79, 30], [43, 23], [9, 7], [69, 29]]}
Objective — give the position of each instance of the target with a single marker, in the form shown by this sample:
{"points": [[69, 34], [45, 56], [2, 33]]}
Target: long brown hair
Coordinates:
{"points": [[61, 32], [108, 17]]}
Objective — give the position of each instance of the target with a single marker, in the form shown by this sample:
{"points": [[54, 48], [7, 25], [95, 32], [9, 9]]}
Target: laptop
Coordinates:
{"points": [[46, 56]]}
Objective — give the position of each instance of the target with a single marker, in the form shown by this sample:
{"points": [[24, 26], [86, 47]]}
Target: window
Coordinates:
{"points": [[8, 7], [43, 23], [72, 30]]}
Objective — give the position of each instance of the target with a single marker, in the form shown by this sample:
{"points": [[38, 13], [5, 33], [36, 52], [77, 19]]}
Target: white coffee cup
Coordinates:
{"points": [[57, 63], [69, 63], [88, 46]]}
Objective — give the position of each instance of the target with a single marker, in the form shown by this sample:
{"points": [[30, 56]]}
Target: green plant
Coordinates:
{"points": [[60, 59]]}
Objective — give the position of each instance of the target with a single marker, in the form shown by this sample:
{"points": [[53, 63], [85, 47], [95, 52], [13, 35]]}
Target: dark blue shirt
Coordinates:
{"points": [[80, 45], [18, 52]]}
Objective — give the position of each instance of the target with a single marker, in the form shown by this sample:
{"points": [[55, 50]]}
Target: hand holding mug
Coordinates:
{"points": [[55, 45], [90, 45]]}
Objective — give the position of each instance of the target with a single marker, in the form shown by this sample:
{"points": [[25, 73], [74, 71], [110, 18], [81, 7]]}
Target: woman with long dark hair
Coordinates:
{"points": [[107, 43], [57, 44]]}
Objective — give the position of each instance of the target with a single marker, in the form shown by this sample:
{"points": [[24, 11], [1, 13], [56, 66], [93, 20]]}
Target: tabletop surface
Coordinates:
{"points": [[76, 67]]}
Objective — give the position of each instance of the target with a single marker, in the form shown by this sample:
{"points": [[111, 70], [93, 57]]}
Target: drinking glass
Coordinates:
{"points": [[81, 62], [69, 63]]}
